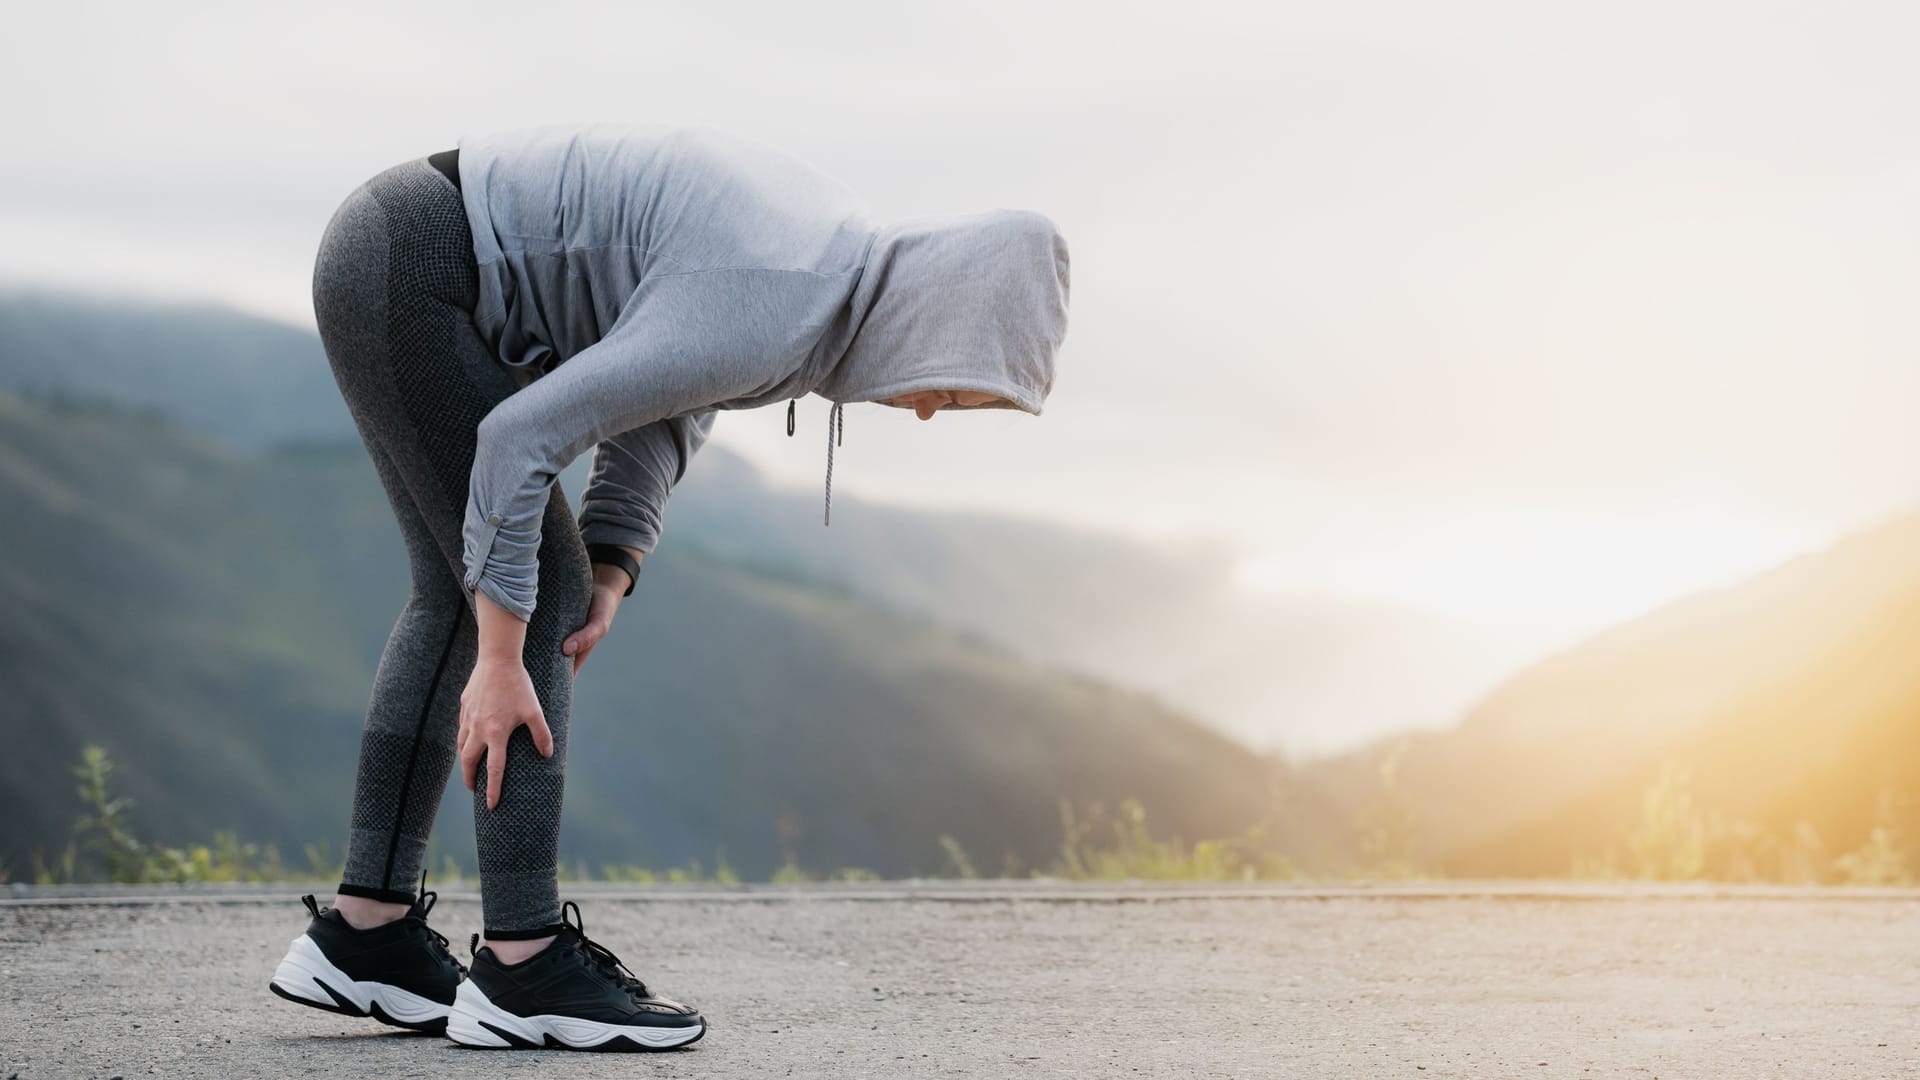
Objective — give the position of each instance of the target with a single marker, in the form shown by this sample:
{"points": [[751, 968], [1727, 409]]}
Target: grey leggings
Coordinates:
{"points": [[394, 285]]}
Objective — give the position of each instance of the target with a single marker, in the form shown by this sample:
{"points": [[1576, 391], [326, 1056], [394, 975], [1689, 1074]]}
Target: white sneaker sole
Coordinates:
{"points": [[308, 977], [476, 1021]]}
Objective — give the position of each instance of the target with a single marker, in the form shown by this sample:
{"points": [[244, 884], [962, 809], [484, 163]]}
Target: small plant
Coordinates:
{"points": [[1134, 853], [1386, 828], [1672, 839], [957, 865], [627, 874], [1882, 860], [102, 844], [1669, 843], [104, 828], [1803, 856], [854, 873], [693, 873], [790, 874], [323, 864]]}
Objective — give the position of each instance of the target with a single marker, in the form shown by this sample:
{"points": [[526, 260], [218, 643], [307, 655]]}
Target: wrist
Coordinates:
{"points": [[502, 634], [613, 562], [611, 577]]}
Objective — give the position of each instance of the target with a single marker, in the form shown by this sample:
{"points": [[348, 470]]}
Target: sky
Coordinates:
{"points": [[1522, 313]]}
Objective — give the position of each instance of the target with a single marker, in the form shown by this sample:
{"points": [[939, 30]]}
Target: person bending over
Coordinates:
{"points": [[493, 312]]}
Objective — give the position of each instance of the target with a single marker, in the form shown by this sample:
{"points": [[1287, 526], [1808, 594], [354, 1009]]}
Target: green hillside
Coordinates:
{"points": [[213, 616], [251, 383]]}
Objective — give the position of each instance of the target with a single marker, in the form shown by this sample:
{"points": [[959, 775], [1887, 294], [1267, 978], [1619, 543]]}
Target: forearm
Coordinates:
{"points": [[503, 636], [634, 473], [679, 351]]}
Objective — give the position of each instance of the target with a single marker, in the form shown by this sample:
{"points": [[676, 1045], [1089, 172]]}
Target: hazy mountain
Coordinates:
{"points": [[1791, 698], [241, 379], [1269, 669], [213, 616], [204, 570]]}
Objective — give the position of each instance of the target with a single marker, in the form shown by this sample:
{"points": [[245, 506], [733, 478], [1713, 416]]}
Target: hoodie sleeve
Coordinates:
{"points": [[633, 475], [683, 343]]}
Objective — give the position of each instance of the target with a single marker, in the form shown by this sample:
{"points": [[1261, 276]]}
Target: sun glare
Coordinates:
{"points": [[1538, 568]]}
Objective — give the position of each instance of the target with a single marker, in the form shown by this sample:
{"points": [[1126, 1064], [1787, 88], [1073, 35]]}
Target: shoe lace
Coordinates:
{"points": [[601, 956], [419, 911]]}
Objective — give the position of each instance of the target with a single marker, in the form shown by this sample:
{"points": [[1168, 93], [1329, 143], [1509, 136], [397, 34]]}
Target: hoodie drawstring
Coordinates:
{"points": [[836, 427], [836, 430]]}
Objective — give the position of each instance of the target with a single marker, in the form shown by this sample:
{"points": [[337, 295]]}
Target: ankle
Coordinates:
{"points": [[364, 914], [515, 951]]}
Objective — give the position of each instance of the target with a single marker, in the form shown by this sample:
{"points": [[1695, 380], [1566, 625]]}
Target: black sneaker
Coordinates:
{"points": [[400, 973], [573, 994]]}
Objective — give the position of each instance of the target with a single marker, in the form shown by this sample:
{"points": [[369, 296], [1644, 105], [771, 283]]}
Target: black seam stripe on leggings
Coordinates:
{"points": [[394, 286], [413, 758]]}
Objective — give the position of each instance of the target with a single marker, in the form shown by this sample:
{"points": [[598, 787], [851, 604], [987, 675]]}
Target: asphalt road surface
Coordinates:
{"points": [[1030, 980]]}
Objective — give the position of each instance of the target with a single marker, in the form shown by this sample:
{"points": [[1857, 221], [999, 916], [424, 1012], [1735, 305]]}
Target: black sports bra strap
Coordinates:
{"points": [[448, 162]]}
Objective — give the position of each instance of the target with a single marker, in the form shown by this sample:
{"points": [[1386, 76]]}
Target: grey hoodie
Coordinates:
{"points": [[640, 278]]}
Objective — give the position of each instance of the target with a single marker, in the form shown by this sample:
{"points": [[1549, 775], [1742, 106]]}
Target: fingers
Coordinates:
{"points": [[585, 650], [469, 755], [496, 772], [599, 620], [587, 636], [481, 735], [542, 735], [584, 639]]}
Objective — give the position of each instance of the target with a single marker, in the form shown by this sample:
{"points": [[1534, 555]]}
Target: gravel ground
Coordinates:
{"points": [[1037, 981]]}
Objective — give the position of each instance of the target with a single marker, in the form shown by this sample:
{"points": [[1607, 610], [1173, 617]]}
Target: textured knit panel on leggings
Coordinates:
{"points": [[393, 288]]}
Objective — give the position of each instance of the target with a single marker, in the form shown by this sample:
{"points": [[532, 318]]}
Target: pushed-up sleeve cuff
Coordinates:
{"points": [[607, 532], [498, 563]]}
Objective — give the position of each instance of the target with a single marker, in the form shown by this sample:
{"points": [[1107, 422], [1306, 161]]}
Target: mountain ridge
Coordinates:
{"points": [[237, 602]]}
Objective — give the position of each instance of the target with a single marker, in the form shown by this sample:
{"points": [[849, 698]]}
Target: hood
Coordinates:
{"points": [[960, 302], [967, 302]]}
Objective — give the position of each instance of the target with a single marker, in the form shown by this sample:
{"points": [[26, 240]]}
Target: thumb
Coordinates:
{"points": [[572, 645]]}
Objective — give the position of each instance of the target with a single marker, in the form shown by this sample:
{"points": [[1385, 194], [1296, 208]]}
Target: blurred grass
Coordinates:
{"points": [[1096, 846], [1675, 839]]}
